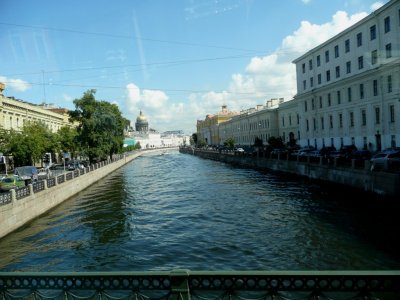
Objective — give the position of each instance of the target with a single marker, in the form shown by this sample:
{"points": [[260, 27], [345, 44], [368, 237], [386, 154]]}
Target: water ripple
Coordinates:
{"points": [[162, 212]]}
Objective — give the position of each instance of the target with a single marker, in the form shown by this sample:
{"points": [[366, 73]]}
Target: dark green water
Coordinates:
{"points": [[163, 212]]}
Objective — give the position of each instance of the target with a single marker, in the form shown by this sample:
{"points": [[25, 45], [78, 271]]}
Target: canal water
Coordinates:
{"points": [[169, 210]]}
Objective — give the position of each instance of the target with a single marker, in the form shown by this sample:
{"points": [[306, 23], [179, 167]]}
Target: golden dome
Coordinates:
{"points": [[141, 118]]}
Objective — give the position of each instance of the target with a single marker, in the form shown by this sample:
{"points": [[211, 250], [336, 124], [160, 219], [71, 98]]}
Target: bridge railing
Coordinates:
{"points": [[197, 285]]}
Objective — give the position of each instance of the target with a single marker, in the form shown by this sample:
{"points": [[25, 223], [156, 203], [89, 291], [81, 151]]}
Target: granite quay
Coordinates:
{"points": [[352, 173], [21, 205]]}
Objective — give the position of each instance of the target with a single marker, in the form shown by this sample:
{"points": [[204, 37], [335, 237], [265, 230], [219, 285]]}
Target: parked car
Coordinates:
{"points": [[241, 150], [11, 182], [74, 165], [27, 173], [382, 160]]}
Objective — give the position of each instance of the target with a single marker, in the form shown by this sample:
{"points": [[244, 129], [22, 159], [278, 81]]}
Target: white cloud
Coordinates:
{"points": [[273, 75], [15, 84], [67, 98], [376, 5], [162, 114], [306, 1], [265, 77]]}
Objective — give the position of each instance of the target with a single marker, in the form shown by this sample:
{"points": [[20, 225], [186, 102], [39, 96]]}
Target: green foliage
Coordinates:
{"points": [[29, 145], [229, 143], [100, 132], [67, 140], [258, 142], [275, 142], [193, 140]]}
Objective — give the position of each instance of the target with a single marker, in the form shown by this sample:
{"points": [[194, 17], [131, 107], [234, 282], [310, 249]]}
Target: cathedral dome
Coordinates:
{"points": [[141, 118]]}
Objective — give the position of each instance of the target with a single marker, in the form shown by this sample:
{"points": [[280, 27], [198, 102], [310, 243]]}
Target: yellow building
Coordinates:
{"points": [[207, 129], [14, 113]]}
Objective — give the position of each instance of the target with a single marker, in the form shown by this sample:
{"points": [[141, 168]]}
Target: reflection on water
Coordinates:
{"points": [[162, 212]]}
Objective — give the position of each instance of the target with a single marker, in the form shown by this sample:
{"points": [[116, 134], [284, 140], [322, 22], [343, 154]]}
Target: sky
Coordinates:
{"points": [[174, 60]]}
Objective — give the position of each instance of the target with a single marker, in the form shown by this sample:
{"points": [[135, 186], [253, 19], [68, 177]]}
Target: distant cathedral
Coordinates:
{"points": [[141, 124]]}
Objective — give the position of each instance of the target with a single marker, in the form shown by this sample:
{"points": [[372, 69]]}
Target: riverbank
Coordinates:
{"points": [[21, 206], [353, 175]]}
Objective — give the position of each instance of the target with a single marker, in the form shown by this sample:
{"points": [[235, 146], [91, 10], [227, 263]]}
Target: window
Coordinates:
{"points": [[375, 87], [361, 91], [351, 119], [336, 51], [304, 84], [374, 57], [283, 122], [348, 67], [290, 120], [349, 94], [347, 45], [372, 32], [329, 99], [391, 112], [311, 81], [310, 64], [327, 56], [318, 60], [387, 24], [359, 39], [322, 123], [320, 102], [307, 125], [328, 75], [337, 70], [377, 115], [330, 121], [338, 95], [360, 62], [363, 117], [298, 119], [303, 66], [340, 120], [389, 84], [314, 124], [319, 78], [312, 104], [305, 106], [388, 50]]}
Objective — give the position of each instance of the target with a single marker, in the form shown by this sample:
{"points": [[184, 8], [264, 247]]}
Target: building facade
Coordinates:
{"points": [[259, 122], [208, 129], [348, 87], [15, 113]]}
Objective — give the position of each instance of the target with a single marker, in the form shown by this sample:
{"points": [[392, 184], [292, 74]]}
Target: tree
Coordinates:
{"points": [[29, 145], [258, 142], [101, 126], [275, 142], [229, 143], [67, 140], [194, 139]]}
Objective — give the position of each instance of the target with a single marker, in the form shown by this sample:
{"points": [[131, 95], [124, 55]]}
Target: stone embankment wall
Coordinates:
{"points": [[352, 175], [23, 205]]}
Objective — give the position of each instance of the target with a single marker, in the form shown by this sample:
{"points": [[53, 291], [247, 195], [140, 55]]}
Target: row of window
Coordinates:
{"points": [[359, 43], [361, 94], [374, 60], [363, 113]]}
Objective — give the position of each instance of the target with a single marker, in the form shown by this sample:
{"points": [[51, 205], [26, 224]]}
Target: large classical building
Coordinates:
{"points": [[348, 92], [208, 130], [15, 113], [149, 138], [348, 87], [259, 122]]}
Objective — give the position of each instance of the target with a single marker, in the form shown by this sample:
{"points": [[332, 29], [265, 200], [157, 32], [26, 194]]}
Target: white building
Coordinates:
{"points": [[348, 87], [259, 122]]}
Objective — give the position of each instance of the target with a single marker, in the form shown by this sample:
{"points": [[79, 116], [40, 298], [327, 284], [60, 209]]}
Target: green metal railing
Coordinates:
{"points": [[198, 285]]}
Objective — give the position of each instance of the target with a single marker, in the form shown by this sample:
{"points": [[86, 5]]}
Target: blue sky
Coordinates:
{"points": [[175, 60]]}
